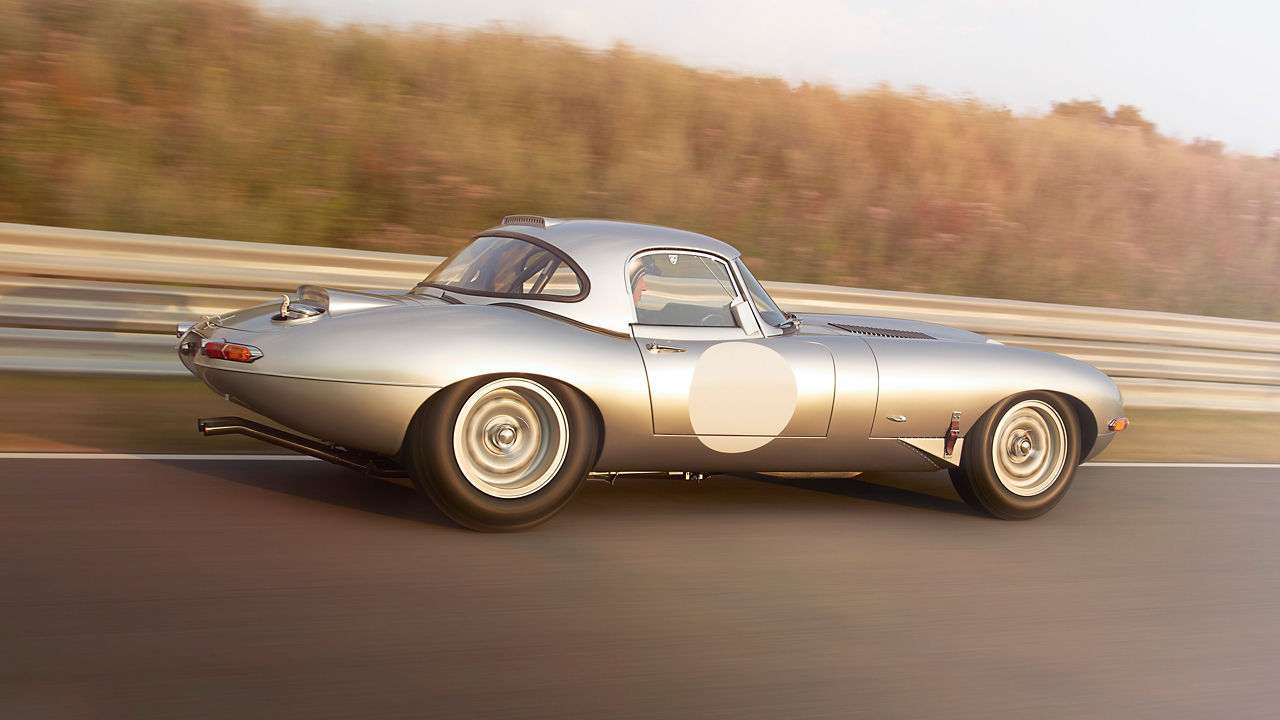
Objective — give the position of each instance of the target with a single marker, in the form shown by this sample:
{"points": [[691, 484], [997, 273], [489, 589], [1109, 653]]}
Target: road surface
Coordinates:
{"points": [[280, 589]]}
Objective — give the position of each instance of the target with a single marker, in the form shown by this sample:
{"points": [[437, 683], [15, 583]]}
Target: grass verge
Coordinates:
{"points": [[59, 413]]}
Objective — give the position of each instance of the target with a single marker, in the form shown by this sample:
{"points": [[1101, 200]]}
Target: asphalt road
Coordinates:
{"points": [[291, 589]]}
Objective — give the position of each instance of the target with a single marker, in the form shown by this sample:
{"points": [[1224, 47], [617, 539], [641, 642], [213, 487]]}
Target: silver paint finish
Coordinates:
{"points": [[925, 380], [357, 374], [354, 415]]}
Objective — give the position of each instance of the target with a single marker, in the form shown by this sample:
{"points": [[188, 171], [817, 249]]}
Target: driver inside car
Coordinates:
{"points": [[638, 286]]}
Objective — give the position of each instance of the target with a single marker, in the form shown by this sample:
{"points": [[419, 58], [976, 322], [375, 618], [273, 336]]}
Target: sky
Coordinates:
{"points": [[1194, 68]]}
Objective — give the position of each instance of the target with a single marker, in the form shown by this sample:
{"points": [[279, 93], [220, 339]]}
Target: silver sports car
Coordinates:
{"points": [[547, 350]]}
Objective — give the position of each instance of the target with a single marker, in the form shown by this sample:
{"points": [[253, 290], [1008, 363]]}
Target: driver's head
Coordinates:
{"points": [[638, 285], [641, 267]]}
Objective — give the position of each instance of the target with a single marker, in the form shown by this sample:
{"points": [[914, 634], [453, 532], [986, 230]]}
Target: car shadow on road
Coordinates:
{"points": [[328, 484], [882, 487], [344, 488]]}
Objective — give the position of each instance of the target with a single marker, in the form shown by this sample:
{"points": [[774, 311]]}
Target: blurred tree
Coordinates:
{"points": [[219, 118], [1084, 109], [1205, 146], [1094, 111], [1130, 116]]}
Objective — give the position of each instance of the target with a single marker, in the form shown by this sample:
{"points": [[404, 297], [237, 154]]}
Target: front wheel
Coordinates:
{"points": [[502, 454], [1019, 458]]}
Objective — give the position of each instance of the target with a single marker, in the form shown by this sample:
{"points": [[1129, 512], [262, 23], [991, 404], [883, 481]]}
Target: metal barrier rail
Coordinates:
{"points": [[104, 303], [83, 352], [125, 257]]}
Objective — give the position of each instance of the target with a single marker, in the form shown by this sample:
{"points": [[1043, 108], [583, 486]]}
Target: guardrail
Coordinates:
{"points": [[81, 301]]}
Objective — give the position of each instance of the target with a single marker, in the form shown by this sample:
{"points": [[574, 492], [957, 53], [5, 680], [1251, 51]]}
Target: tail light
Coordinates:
{"points": [[231, 351]]}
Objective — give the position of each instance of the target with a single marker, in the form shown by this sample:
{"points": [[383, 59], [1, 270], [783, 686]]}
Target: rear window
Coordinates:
{"points": [[509, 267]]}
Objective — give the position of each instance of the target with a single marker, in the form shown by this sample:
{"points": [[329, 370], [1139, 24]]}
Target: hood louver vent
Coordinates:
{"points": [[883, 332]]}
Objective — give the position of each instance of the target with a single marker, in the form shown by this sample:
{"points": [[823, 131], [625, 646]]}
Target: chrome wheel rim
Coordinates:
{"points": [[510, 438], [1029, 449]]}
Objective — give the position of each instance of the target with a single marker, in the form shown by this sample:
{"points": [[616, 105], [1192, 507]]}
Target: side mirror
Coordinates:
{"points": [[744, 317]]}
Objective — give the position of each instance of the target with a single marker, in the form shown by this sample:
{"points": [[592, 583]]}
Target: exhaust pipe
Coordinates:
{"points": [[367, 463]]}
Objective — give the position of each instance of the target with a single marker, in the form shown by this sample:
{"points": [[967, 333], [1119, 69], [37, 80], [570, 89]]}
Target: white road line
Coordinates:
{"points": [[143, 456], [1245, 466], [283, 457]]}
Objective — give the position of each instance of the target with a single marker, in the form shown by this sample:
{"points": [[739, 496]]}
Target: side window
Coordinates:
{"points": [[673, 288]]}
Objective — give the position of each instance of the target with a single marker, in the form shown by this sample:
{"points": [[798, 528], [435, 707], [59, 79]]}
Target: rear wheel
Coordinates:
{"points": [[502, 454], [1019, 458]]}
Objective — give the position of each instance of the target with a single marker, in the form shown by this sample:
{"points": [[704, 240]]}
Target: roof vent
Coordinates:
{"points": [[531, 220]]}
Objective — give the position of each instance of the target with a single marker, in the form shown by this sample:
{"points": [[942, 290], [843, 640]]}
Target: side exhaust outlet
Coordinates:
{"points": [[367, 463]]}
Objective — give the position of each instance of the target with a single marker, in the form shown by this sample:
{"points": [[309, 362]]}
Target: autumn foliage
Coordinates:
{"points": [[214, 118]]}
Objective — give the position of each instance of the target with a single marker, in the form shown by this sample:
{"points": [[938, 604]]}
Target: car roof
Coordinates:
{"points": [[601, 248], [588, 240]]}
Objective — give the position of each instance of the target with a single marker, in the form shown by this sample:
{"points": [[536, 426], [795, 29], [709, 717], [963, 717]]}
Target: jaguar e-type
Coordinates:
{"points": [[547, 350]]}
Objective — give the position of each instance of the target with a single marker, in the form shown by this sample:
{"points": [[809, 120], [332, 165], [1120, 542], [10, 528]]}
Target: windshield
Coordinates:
{"points": [[507, 267], [769, 311]]}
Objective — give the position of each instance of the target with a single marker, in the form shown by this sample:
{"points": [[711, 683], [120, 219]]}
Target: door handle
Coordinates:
{"points": [[659, 348]]}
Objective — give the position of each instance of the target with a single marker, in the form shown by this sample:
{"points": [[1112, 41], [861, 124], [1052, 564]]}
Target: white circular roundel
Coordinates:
{"points": [[742, 395]]}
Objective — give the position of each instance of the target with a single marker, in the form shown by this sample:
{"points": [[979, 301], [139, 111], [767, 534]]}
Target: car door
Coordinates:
{"points": [[732, 387]]}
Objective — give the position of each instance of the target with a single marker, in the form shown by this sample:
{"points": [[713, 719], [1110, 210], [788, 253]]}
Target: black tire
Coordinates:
{"points": [[500, 454], [1019, 458]]}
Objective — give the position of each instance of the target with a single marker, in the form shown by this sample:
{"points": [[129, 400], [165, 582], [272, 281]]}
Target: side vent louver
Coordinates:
{"points": [[883, 332]]}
